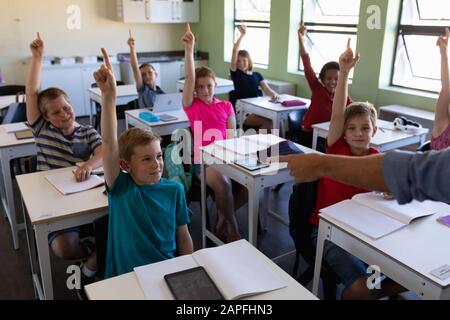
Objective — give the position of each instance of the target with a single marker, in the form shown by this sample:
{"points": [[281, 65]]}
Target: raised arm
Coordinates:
{"points": [[237, 45], [189, 67], [347, 61], [134, 61], [301, 38], [107, 83], [442, 113], [34, 79]]}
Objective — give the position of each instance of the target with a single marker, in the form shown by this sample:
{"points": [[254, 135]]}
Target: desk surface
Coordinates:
{"points": [[221, 82], [228, 156], [127, 287], [9, 139], [385, 133], [264, 102], [122, 91], [180, 114], [44, 203], [423, 245], [5, 101], [408, 111]]}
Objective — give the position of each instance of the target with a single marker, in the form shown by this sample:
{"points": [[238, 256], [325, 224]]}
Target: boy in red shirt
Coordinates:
{"points": [[351, 130]]}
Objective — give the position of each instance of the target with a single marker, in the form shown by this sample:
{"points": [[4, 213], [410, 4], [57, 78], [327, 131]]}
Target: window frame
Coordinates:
{"points": [[418, 30]]}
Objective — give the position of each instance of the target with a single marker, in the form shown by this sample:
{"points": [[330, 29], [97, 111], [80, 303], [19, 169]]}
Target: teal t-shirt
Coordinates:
{"points": [[142, 223]]}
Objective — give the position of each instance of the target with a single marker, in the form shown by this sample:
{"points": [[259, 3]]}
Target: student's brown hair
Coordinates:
{"points": [[204, 72], [134, 137], [48, 95], [246, 54], [332, 65], [361, 108], [147, 65]]}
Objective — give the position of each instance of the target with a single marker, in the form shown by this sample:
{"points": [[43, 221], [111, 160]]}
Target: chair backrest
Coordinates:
{"points": [[301, 204], [10, 90], [101, 243], [294, 121], [17, 112]]}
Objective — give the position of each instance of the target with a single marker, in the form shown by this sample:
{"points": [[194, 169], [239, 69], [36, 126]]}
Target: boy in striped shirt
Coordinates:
{"points": [[61, 142]]}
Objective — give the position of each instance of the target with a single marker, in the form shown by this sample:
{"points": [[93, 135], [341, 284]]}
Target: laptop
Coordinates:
{"points": [[167, 102]]}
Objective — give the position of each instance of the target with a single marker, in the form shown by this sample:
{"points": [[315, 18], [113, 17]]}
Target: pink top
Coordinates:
{"points": [[441, 142], [208, 122]]}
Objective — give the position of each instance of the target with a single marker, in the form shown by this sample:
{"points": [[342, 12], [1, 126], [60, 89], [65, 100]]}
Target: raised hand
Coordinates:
{"points": [[131, 41], [302, 31], [37, 47], [104, 77], [442, 41], [348, 60], [243, 29], [188, 38]]}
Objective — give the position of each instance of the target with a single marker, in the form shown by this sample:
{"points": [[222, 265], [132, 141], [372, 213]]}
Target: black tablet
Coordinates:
{"points": [[192, 284]]}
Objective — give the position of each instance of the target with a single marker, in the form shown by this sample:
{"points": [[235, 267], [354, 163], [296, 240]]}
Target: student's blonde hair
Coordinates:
{"points": [[134, 137], [48, 95], [204, 72], [246, 54], [361, 108]]}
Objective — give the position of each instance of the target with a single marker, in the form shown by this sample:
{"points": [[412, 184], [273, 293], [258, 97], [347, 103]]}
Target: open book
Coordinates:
{"points": [[65, 182], [237, 269], [374, 216], [250, 144]]}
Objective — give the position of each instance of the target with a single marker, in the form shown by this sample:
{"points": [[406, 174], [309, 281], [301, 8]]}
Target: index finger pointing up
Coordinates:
{"points": [[188, 27], [106, 58], [348, 43], [38, 36]]}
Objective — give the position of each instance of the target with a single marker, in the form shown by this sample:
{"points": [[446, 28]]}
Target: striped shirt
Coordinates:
{"points": [[56, 150]]}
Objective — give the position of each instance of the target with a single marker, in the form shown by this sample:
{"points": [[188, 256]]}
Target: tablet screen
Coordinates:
{"points": [[192, 284]]}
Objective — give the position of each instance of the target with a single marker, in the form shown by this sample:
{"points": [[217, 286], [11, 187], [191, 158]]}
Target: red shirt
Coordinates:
{"points": [[321, 99], [330, 191]]}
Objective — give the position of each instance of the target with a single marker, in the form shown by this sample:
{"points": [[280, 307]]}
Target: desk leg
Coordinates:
{"points": [[127, 120], [8, 202], [92, 107], [265, 216], [43, 251], [31, 247], [319, 253], [203, 201], [253, 213], [314, 139], [280, 123]]}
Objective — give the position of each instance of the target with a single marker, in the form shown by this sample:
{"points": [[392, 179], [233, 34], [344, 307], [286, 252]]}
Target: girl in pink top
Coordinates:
{"points": [[211, 119], [441, 130]]}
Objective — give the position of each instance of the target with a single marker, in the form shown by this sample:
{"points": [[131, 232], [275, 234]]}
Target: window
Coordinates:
{"points": [[255, 14], [417, 59], [329, 23]]}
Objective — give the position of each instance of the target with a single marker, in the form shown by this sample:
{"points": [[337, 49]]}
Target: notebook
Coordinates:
{"points": [[65, 182], [251, 144], [235, 268], [25, 134], [374, 216]]}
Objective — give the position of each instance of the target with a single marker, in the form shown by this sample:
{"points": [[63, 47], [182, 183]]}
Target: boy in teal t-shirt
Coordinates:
{"points": [[148, 215]]}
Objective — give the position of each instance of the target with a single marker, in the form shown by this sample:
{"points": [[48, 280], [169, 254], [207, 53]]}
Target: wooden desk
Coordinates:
{"points": [[256, 182], [163, 128], [407, 255], [127, 287], [47, 210], [223, 86], [125, 94], [264, 108], [386, 138], [12, 148]]}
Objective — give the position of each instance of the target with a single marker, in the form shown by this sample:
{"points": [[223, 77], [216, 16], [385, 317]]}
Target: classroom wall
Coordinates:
{"points": [[20, 19], [371, 76]]}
